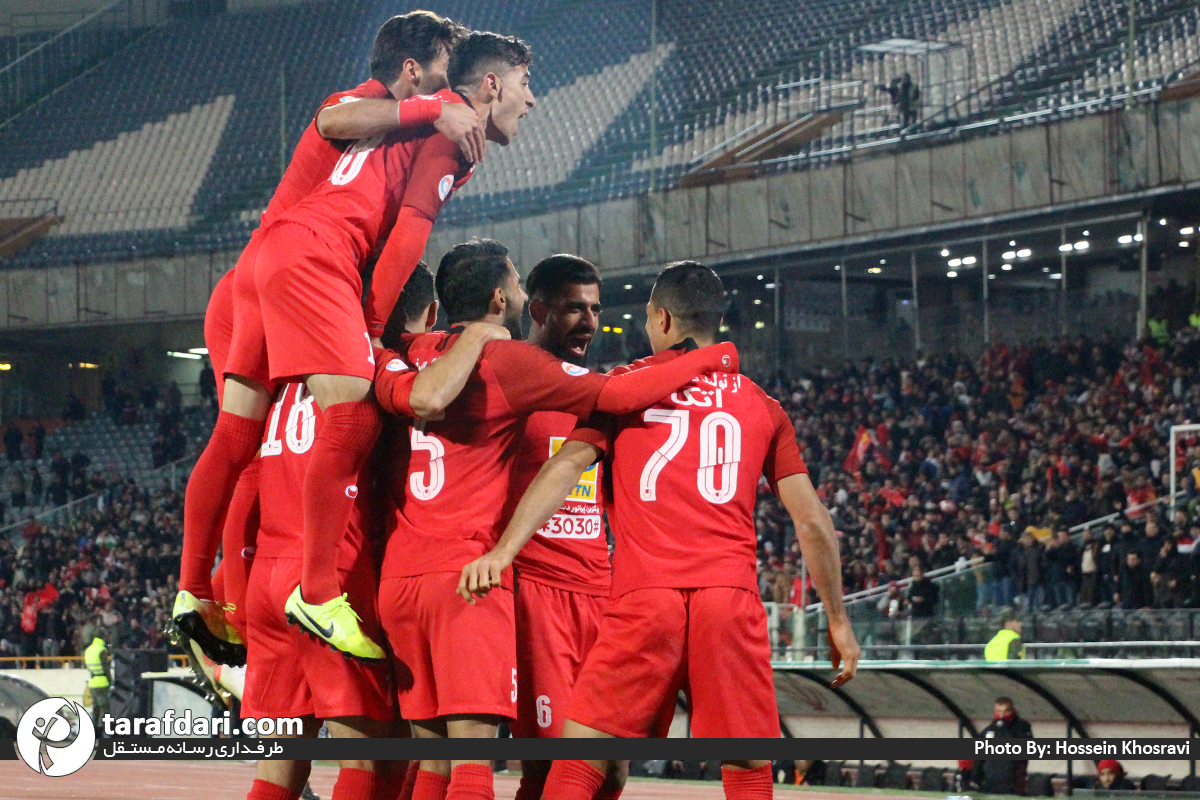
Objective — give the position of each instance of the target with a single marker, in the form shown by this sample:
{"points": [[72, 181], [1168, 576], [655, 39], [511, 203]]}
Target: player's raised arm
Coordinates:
{"points": [[818, 544], [545, 495], [368, 117], [402, 389]]}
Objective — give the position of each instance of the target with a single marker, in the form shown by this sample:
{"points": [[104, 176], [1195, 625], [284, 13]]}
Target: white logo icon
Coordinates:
{"points": [[352, 491], [396, 365], [726, 361], [574, 370], [444, 186], [43, 736]]}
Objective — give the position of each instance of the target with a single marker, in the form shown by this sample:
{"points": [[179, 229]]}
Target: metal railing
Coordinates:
{"points": [[65, 662], [73, 51]]}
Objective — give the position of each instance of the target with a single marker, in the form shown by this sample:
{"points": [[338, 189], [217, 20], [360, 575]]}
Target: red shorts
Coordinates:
{"points": [[290, 675], [555, 630], [218, 325], [710, 642], [303, 314], [450, 657]]}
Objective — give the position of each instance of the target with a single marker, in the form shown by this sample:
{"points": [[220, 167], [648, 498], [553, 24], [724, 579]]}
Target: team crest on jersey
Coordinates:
{"points": [[396, 365], [444, 186], [574, 370], [585, 490]]}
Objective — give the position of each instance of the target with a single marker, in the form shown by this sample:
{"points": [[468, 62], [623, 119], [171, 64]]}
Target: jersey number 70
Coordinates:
{"points": [[713, 453]]}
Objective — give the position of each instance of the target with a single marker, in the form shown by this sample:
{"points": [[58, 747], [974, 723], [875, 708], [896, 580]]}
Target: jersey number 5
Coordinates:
{"points": [[720, 448]]}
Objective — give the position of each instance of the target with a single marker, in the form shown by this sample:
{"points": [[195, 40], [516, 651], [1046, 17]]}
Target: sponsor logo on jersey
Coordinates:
{"points": [[396, 365], [444, 186], [585, 490], [574, 370]]}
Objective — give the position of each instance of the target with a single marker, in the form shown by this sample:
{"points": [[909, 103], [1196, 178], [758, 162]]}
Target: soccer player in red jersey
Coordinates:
{"points": [[685, 611], [309, 286], [288, 675], [449, 487], [410, 54], [563, 573]]}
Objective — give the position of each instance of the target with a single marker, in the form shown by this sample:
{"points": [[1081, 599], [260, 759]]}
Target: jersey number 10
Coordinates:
{"points": [[713, 455]]}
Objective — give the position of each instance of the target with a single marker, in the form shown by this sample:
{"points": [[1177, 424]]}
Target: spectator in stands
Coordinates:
{"points": [[1062, 569], [13, 437], [1108, 565], [37, 440], [996, 776], [207, 385], [37, 486], [16, 488], [1135, 583], [1110, 776], [922, 594], [1088, 569], [1029, 571], [79, 464], [74, 411], [1006, 645]]}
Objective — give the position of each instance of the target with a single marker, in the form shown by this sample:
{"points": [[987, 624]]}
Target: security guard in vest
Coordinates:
{"points": [[1006, 645], [1194, 317], [97, 660], [1160, 331]]}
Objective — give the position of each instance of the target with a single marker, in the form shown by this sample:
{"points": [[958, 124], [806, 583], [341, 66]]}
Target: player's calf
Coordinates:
{"points": [[747, 780]]}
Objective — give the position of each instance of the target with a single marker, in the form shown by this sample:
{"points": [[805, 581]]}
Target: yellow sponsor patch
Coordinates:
{"points": [[585, 490]]}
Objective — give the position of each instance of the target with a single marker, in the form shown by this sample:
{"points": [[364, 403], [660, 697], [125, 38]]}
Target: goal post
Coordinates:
{"points": [[1176, 430]]}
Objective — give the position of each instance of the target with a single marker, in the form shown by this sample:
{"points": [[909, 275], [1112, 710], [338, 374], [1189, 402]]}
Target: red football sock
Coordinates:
{"points": [[330, 486], [471, 782], [237, 544], [354, 784], [265, 790], [234, 442], [430, 785], [609, 794], [748, 784], [573, 780]]}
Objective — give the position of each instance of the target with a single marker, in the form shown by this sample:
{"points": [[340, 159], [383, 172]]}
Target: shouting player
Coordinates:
{"points": [[309, 321], [563, 574], [456, 669], [410, 55], [685, 611]]}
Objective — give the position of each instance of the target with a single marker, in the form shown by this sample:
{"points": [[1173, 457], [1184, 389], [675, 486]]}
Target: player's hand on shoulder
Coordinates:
{"points": [[461, 124], [481, 576]]}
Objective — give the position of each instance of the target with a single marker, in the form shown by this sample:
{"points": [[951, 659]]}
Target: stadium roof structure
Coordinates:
{"points": [[1080, 692]]}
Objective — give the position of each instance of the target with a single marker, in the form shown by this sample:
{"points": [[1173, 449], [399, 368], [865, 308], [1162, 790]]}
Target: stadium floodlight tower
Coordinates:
{"points": [[1176, 432]]}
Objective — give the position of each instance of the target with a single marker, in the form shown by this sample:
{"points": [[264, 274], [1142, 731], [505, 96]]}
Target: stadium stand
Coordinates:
{"points": [[201, 158]]}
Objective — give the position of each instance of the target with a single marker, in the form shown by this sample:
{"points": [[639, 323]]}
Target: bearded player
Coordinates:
{"points": [[685, 612], [310, 322], [449, 486], [410, 55], [563, 574]]}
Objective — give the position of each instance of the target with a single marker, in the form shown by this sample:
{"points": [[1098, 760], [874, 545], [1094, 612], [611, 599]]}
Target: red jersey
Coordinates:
{"points": [[570, 551], [450, 477], [291, 428], [315, 156], [684, 480], [356, 207]]}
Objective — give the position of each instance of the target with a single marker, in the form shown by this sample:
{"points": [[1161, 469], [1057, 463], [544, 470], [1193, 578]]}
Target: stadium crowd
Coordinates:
{"points": [[929, 462], [923, 463]]}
